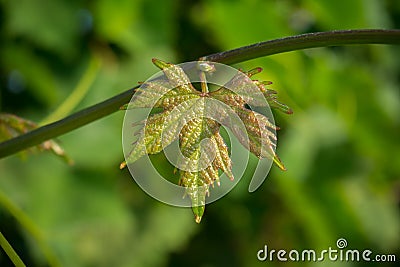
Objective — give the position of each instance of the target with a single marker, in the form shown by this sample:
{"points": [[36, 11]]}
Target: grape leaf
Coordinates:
{"points": [[187, 115]]}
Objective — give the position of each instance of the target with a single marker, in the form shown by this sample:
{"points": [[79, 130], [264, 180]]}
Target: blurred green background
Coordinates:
{"points": [[341, 146]]}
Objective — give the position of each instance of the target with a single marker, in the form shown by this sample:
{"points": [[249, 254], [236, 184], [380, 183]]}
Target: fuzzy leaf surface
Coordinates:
{"points": [[194, 119]]}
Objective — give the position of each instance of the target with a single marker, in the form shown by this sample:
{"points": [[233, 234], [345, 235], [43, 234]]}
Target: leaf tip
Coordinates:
{"points": [[160, 64], [122, 165], [198, 212], [279, 163], [197, 219], [253, 71]]}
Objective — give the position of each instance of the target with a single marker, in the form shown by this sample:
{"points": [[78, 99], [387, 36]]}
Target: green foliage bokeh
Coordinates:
{"points": [[341, 146]]}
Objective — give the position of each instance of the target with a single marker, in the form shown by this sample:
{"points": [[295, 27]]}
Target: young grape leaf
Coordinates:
{"points": [[188, 115]]}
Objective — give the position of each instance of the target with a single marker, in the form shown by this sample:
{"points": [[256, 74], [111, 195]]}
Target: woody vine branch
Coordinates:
{"points": [[111, 105]]}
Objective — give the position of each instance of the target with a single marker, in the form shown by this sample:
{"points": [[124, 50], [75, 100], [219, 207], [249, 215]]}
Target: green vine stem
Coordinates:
{"points": [[65, 125], [10, 252], [31, 228], [303, 41]]}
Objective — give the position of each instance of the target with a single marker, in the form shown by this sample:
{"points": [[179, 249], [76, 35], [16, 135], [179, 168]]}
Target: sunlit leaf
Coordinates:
{"points": [[186, 116]]}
